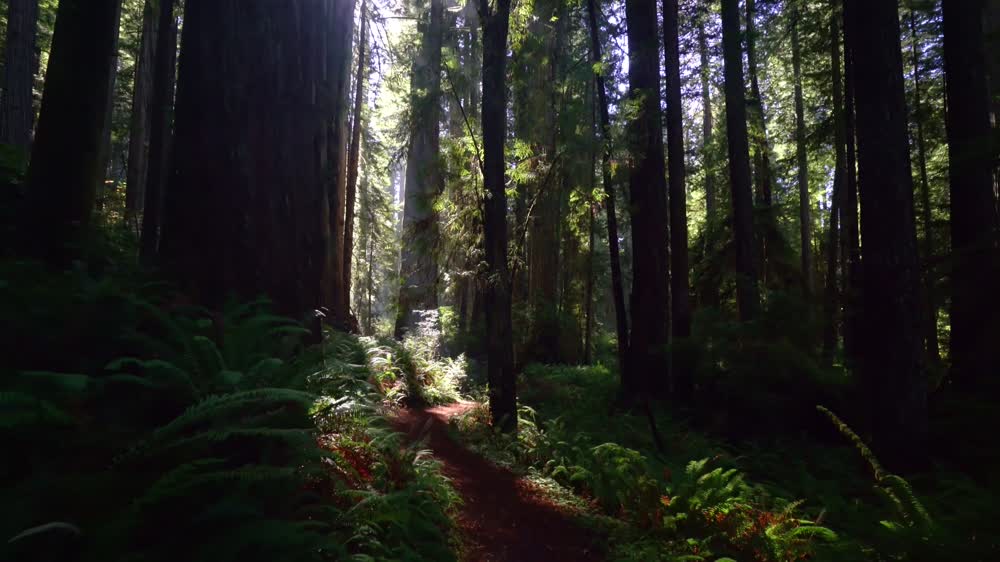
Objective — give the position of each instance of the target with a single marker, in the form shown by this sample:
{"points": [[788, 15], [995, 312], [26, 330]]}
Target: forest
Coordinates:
{"points": [[500, 280]]}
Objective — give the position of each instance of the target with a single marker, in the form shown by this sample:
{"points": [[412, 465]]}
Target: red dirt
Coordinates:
{"points": [[503, 518]]}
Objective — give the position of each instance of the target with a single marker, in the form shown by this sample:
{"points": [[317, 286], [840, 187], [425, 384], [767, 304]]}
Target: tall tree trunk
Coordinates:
{"points": [[142, 93], [992, 28], [709, 289], [245, 207], [354, 158], [500, 360], [759, 144], [107, 150], [538, 124], [892, 365], [976, 265], [831, 301], [418, 260], [805, 221], [680, 293], [930, 323], [161, 132], [588, 299], [336, 295], [17, 114], [648, 203], [851, 253], [66, 163], [748, 299], [617, 285]]}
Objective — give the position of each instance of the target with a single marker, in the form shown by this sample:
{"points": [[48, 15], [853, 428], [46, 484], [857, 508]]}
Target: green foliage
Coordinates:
{"points": [[705, 512], [755, 379], [220, 428], [909, 531], [414, 371]]}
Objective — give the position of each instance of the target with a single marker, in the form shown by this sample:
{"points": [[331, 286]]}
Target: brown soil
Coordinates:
{"points": [[502, 518]]}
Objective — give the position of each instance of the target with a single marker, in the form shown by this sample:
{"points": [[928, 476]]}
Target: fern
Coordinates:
{"points": [[895, 490]]}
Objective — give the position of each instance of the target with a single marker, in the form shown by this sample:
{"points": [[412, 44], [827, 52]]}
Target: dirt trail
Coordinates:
{"points": [[503, 518]]}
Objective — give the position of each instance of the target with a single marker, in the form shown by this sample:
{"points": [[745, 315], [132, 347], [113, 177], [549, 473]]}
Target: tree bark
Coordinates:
{"points": [[831, 302], [708, 289], [245, 206], [617, 285], [354, 157], [748, 299], [805, 221], [930, 327], [892, 365], [648, 204], [759, 144], [139, 131], [992, 28], [851, 241], [161, 132], [680, 293], [106, 154], [336, 295], [500, 360], [418, 260], [976, 267], [17, 113], [66, 163]]}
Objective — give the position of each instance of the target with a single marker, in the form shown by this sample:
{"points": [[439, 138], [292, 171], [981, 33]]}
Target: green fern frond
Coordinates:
{"points": [[859, 444]]}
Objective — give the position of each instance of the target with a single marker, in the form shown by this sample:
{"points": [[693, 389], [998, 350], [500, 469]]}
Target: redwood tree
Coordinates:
{"points": [[891, 346], [648, 203], [747, 298], [160, 130], [17, 114], [142, 94], [418, 262], [500, 353], [617, 287], [680, 295], [802, 159], [245, 210], [974, 300], [66, 164], [354, 157]]}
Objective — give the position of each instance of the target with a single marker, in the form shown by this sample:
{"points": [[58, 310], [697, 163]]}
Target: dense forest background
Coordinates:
{"points": [[720, 279]]}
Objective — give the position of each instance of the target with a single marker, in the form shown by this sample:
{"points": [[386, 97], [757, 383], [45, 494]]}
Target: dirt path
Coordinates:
{"points": [[503, 518]]}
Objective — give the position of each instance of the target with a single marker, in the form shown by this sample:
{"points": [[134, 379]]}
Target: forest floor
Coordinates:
{"points": [[502, 517]]}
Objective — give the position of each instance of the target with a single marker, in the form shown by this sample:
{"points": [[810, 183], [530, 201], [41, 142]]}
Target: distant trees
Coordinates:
{"points": [[66, 159], [802, 160], [354, 156], [607, 182], [418, 269], [142, 94], [251, 190]]}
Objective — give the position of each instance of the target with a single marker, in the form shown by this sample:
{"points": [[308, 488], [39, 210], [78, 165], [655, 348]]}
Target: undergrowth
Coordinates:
{"points": [[653, 508], [415, 372], [733, 501], [177, 433]]}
